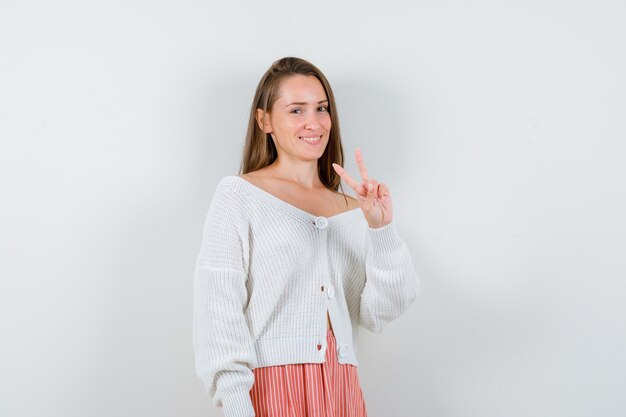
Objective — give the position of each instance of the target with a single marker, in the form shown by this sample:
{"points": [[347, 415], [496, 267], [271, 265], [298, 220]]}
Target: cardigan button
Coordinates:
{"points": [[343, 350], [321, 222], [331, 291]]}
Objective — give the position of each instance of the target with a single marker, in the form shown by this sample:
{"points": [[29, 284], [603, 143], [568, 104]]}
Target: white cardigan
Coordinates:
{"points": [[265, 276]]}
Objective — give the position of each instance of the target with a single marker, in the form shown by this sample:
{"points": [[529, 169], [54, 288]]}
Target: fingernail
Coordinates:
{"points": [[371, 187]]}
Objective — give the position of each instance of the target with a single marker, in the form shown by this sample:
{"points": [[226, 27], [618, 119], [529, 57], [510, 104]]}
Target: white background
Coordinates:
{"points": [[498, 125]]}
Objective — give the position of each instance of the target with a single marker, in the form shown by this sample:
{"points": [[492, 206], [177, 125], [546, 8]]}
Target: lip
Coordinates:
{"points": [[319, 139]]}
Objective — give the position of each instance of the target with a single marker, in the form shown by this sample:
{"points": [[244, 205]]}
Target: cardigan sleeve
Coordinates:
{"points": [[223, 347], [391, 283]]}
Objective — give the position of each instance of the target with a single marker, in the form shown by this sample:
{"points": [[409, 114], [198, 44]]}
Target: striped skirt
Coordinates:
{"points": [[328, 389]]}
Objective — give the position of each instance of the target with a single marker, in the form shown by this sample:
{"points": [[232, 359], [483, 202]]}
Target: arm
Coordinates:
{"points": [[223, 347], [391, 283]]}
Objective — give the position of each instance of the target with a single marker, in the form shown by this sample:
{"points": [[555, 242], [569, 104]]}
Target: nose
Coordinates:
{"points": [[312, 121]]}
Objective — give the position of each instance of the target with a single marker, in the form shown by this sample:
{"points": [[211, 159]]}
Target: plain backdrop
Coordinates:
{"points": [[498, 126]]}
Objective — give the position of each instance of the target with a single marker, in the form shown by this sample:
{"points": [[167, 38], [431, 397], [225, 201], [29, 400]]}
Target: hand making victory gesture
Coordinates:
{"points": [[374, 198]]}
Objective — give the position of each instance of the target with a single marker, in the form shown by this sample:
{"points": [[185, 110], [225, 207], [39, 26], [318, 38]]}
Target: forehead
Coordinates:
{"points": [[301, 88]]}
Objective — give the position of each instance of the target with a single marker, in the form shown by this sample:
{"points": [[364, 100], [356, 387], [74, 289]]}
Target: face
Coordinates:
{"points": [[299, 121]]}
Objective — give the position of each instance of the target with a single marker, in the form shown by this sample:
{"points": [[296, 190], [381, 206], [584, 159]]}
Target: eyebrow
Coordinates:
{"points": [[301, 103]]}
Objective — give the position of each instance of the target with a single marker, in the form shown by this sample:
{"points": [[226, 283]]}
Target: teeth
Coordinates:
{"points": [[314, 139]]}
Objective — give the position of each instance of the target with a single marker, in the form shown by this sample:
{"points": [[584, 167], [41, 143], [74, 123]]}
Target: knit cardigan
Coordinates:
{"points": [[266, 275]]}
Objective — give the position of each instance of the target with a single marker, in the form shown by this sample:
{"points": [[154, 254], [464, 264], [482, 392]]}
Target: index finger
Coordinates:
{"points": [[347, 178]]}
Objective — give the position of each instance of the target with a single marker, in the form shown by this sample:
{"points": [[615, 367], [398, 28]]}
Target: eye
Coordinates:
{"points": [[294, 110], [323, 107]]}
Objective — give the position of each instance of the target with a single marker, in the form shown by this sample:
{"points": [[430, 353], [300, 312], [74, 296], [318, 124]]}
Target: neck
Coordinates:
{"points": [[303, 173]]}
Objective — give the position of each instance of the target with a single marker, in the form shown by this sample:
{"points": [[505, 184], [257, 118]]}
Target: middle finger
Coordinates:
{"points": [[361, 164]]}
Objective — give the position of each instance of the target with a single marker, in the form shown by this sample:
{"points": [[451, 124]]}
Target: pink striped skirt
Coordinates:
{"points": [[328, 389]]}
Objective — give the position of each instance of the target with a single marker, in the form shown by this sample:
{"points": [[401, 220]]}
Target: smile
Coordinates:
{"points": [[312, 140]]}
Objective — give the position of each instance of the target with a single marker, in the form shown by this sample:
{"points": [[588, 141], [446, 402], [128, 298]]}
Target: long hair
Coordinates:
{"points": [[259, 149]]}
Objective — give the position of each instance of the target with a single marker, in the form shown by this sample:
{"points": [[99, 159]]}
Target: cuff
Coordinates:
{"points": [[238, 404], [385, 239]]}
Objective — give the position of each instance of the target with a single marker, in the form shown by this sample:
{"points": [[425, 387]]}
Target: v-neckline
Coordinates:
{"points": [[271, 197]]}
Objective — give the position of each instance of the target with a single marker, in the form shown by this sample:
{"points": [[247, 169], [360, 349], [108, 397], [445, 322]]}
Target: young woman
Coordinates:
{"points": [[289, 267]]}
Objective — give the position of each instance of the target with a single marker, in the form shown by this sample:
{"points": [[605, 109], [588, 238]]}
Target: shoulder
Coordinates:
{"points": [[228, 205], [251, 177], [259, 177], [353, 203], [229, 183], [228, 192]]}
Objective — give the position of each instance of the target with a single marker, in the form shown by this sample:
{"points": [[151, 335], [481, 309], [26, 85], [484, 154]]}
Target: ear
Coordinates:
{"points": [[264, 125]]}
